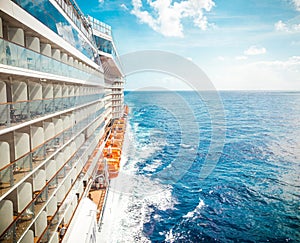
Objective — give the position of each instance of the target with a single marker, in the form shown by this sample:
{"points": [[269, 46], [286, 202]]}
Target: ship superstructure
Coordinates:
{"points": [[61, 86]]}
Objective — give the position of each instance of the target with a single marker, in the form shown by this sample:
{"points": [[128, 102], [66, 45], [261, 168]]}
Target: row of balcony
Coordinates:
{"points": [[118, 108], [48, 207], [118, 85], [76, 16], [30, 100], [54, 152], [68, 205], [100, 26], [117, 103], [120, 92], [25, 149], [17, 112], [18, 56]]}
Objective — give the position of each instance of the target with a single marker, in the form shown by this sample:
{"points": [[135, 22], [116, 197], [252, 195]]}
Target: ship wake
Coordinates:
{"points": [[131, 198]]}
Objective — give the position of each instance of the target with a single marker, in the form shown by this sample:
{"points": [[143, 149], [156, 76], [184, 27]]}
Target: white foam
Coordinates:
{"points": [[170, 237], [196, 211], [173, 237], [131, 195], [125, 214], [186, 146], [140, 151], [153, 166]]}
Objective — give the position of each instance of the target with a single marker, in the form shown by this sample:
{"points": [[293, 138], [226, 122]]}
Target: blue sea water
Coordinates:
{"points": [[252, 194]]}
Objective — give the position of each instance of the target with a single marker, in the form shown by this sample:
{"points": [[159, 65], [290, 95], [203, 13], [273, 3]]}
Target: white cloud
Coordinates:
{"points": [[297, 4], [292, 25], [165, 17], [241, 58], [221, 58], [143, 16], [291, 64], [123, 6], [262, 75], [291, 28], [254, 50], [101, 1], [280, 26]]}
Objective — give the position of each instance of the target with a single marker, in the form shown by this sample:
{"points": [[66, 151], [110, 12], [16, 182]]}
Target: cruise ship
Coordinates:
{"points": [[61, 91]]}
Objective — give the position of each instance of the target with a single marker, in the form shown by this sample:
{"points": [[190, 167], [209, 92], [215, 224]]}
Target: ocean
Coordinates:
{"points": [[250, 193]]}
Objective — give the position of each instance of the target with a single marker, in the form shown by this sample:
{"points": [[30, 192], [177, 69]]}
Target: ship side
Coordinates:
{"points": [[61, 89]]}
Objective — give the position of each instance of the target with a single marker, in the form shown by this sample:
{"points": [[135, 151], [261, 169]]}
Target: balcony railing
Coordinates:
{"points": [[59, 215], [24, 219], [11, 174], [15, 112], [31, 212], [100, 26], [76, 16], [18, 56]]}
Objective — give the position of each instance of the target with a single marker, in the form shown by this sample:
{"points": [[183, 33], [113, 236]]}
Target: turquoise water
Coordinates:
{"points": [[252, 194]]}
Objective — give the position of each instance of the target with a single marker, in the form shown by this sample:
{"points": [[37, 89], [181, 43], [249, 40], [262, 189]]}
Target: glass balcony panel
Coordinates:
{"points": [[33, 61], [52, 185], [11, 54], [24, 221], [22, 167], [59, 140], [79, 100], [6, 179], [14, 55], [72, 101], [66, 103], [36, 108], [67, 135], [22, 58], [39, 155], [19, 112], [48, 106], [58, 104], [45, 63], [2, 52], [4, 115], [41, 199], [56, 67], [50, 148], [66, 70], [53, 225]]}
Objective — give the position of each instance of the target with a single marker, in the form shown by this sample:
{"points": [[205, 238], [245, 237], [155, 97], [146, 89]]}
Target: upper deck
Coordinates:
{"points": [[107, 51]]}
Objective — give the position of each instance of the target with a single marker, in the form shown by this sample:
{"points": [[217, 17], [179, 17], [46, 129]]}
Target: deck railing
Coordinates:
{"points": [[15, 55]]}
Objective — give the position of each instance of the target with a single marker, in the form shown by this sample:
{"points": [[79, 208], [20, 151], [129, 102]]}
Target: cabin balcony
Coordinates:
{"points": [[14, 55]]}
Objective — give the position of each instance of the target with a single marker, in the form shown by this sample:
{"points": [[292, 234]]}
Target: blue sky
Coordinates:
{"points": [[239, 44]]}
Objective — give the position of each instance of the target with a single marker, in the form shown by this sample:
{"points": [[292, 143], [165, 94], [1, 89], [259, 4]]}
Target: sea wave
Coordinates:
{"points": [[196, 211], [252, 195], [132, 197]]}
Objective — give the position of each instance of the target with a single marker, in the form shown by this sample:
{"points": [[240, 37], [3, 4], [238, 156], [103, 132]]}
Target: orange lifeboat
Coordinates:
{"points": [[113, 147]]}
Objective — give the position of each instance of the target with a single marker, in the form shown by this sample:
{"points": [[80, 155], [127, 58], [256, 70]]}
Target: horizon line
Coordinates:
{"points": [[246, 90]]}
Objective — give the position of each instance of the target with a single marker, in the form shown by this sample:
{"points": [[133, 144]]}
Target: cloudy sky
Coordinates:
{"points": [[239, 44]]}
